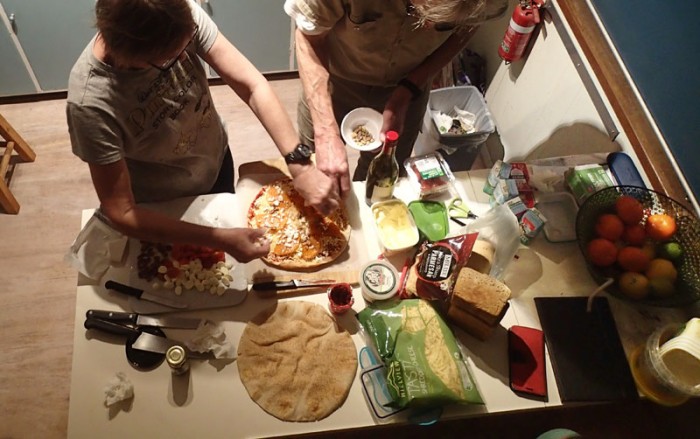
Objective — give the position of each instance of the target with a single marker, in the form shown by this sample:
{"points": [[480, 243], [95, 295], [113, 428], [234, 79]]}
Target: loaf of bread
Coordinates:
{"points": [[481, 296], [481, 257], [472, 325]]}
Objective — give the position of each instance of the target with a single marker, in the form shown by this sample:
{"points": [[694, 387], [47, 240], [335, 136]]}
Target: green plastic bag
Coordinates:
{"points": [[423, 362]]}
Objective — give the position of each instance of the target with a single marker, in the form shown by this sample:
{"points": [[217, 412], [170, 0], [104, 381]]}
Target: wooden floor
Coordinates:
{"points": [[37, 290]]}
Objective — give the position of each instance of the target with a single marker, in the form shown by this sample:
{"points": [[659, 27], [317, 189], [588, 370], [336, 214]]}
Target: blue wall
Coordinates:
{"points": [[659, 42]]}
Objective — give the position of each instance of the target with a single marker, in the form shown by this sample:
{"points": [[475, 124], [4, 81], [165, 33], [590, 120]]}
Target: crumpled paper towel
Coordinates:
{"points": [[461, 118], [96, 247], [211, 337], [119, 388]]}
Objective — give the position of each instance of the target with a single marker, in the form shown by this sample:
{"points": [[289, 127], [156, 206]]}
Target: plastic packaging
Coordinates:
{"points": [[437, 266], [560, 209], [395, 226], [430, 218], [414, 341], [500, 228], [379, 281], [429, 174]]}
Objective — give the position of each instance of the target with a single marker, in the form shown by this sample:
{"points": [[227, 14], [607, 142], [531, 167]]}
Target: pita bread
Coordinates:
{"points": [[295, 363]]}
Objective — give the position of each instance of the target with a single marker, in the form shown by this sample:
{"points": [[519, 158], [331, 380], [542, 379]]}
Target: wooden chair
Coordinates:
{"points": [[12, 142]]}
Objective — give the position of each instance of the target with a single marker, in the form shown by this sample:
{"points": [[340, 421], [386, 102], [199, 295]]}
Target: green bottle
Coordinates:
{"points": [[383, 171]]}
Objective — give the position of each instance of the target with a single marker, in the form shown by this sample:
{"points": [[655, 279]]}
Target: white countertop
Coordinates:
{"points": [[212, 402]]}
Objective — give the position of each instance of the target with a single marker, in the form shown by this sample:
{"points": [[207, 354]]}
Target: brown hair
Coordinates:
{"points": [[143, 29]]}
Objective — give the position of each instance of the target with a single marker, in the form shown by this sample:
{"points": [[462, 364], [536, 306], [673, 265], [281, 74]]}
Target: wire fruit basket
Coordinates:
{"points": [[687, 286]]}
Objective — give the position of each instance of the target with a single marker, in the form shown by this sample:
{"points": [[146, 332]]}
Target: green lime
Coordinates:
{"points": [[662, 287], [671, 251]]}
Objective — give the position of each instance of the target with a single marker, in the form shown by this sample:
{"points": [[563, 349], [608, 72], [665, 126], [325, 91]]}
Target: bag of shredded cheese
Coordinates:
{"points": [[424, 364]]}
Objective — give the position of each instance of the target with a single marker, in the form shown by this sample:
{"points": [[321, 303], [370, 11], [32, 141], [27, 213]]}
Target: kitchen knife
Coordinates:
{"points": [[144, 320], [291, 284], [144, 341], [160, 345], [143, 295]]}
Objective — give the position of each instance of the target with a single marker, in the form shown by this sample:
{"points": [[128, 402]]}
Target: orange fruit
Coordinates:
{"points": [[633, 285], [634, 234], [649, 248], [660, 227], [661, 287], [633, 259], [662, 268], [629, 209], [609, 226], [601, 252]]}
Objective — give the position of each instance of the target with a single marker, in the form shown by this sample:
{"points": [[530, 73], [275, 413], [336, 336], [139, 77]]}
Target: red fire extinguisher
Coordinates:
{"points": [[525, 17]]}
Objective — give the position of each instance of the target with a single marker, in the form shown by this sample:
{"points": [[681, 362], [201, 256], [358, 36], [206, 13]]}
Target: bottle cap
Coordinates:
{"points": [[176, 356]]}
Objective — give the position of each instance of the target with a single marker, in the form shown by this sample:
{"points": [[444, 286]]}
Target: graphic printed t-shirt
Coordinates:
{"points": [[163, 124]]}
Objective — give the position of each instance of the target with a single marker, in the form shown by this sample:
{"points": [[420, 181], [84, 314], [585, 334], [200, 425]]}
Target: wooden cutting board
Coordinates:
{"points": [[344, 269]]}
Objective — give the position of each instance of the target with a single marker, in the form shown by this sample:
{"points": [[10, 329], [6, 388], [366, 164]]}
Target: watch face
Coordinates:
{"points": [[300, 154], [304, 151]]}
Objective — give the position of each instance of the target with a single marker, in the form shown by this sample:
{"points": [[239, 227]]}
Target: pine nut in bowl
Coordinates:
{"points": [[360, 129]]}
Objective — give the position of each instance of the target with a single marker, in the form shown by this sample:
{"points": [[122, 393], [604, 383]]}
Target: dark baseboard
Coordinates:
{"points": [[47, 96]]}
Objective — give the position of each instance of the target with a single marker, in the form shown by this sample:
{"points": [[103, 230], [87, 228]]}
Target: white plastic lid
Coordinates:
{"points": [[379, 280]]}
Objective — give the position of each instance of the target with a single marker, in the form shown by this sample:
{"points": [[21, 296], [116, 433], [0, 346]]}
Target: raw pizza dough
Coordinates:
{"points": [[295, 363], [299, 236]]}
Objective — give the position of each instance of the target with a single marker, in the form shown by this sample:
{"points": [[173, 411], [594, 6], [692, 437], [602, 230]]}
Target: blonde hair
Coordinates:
{"points": [[459, 12]]}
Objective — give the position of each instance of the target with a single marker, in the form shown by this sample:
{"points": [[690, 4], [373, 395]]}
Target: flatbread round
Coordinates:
{"points": [[299, 236], [295, 363]]}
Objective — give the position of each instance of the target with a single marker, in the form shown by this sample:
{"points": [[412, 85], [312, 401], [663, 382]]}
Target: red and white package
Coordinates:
{"points": [[437, 265]]}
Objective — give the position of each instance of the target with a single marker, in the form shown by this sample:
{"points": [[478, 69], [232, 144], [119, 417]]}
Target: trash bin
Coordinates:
{"points": [[467, 98]]}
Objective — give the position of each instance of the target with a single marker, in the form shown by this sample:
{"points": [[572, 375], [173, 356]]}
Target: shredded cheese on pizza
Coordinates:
{"points": [[299, 236]]}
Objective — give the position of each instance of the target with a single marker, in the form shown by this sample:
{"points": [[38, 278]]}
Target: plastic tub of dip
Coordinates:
{"points": [[395, 227], [379, 281]]}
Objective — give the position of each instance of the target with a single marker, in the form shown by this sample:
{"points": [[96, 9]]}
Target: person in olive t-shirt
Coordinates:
{"points": [[379, 54], [141, 115]]}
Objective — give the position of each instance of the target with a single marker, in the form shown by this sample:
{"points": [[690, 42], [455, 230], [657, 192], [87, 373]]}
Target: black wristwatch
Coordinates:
{"points": [[301, 154], [416, 91]]}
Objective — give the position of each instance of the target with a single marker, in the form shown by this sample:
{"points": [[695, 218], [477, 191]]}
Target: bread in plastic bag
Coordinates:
{"points": [[499, 226]]}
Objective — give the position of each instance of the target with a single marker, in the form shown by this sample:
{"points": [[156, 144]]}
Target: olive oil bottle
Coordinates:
{"points": [[383, 171]]}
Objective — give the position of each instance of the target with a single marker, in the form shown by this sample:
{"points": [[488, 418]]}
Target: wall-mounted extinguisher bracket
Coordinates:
{"points": [[526, 16]]}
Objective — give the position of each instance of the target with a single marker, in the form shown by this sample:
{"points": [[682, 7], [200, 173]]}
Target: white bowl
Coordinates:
{"points": [[372, 121]]}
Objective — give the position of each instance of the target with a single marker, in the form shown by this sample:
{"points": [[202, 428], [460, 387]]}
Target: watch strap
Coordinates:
{"points": [[297, 156], [416, 91]]}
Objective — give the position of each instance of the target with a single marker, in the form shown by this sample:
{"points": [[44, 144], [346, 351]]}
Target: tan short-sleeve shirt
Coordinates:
{"points": [[369, 41]]}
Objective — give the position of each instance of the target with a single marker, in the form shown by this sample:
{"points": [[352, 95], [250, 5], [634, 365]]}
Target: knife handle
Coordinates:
{"points": [[110, 327], [275, 285], [130, 291], [112, 316]]}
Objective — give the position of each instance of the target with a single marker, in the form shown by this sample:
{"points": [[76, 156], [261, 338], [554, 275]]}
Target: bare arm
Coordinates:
{"points": [[397, 105], [113, 188], [313, 71], [252, 87]]}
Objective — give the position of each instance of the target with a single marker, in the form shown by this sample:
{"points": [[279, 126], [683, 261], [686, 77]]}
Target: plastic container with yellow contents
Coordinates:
{"points": [[395, 227]]}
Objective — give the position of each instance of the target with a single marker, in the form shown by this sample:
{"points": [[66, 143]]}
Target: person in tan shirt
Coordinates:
{"points": [[378, 54]]}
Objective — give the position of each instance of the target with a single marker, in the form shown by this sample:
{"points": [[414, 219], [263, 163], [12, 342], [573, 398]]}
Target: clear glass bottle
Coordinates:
{"points": [[383, 171]]}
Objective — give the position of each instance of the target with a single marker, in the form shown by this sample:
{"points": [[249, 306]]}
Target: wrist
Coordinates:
{"points": [[412, 87], [296, 169]]}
